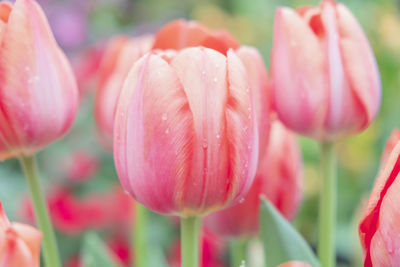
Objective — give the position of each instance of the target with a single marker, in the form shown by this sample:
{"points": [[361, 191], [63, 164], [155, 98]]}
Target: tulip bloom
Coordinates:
{"points": [[278, 178], [379, 228], [180, 34], [185, 135], [325, 79], [38, 92], [120, 55], [19, 243]]}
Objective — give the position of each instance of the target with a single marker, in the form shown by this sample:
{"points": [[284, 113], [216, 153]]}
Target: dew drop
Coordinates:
{"points": [[164, 116], [248, 90], [241, 200], [205, 144], [249, 108], [167, 131], [215, 80], [203, 73], [218, 136]]}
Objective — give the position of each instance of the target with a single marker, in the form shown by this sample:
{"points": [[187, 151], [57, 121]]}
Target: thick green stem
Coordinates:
{"points": [[327, 207], [50, 251], [238, 252], [140, 237], [190, 241]]}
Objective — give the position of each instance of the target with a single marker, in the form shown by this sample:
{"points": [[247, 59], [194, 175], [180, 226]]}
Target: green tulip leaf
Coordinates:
{"points": [[282, 242], [96, 253]]}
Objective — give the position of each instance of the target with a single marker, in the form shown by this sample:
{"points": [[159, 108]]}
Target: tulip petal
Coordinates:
{"points": [[241, 129], [31, 237], [299, 74], [202, 73], [371, 221], [153, 135], [257, 72], [356, 52], [38, 91]]}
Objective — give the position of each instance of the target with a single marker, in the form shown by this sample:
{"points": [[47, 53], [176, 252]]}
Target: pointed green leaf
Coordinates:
{"points": [[95, 252], [281, 240]]}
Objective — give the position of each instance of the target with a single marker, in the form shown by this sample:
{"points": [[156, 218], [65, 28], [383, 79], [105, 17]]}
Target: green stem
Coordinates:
{"points": [[140, 237], [327, 207], [50, 251], [190, 241], [237, 251]]}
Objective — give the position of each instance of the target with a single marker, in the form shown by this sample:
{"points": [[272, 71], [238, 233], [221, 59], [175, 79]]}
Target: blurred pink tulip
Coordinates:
{"points": [[120, 55], [72, 215], [185, 135], [19, 243], [86, 68], [279, 177], [379, 228], [38, 92], [80, 166], [326, 83]]}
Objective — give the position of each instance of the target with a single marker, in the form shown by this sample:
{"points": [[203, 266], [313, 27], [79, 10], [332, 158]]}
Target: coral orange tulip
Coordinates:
{"points": [[326, 83], [19, 243], [120, 55], [278, 178], [38, 92], [185, 134], [379, 228]]}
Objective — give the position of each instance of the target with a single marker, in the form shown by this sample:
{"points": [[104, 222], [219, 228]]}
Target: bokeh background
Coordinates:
{"points": [[79, 175]]}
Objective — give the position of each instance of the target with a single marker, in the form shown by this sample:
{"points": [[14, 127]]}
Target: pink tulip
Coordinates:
{"points": [[119, 57], [180, 34], [185, 134], [379, 228], [38, 92], [295, 264], [325, 79], [19, 243], [278, 178]]}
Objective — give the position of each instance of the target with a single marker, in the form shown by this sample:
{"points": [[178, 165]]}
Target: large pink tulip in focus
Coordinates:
{"points": [[180, 34], [19, 243], [379, 228], [185, 134], [278, 178], [325, 78], [38, 92], [121, 53]]}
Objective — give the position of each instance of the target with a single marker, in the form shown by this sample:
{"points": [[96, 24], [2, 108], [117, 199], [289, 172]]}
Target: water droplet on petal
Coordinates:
{"points": [[241, 200], [218, 136], [164, 116], [203, 73], [167, 131], [205, 144], [215, 80]]}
